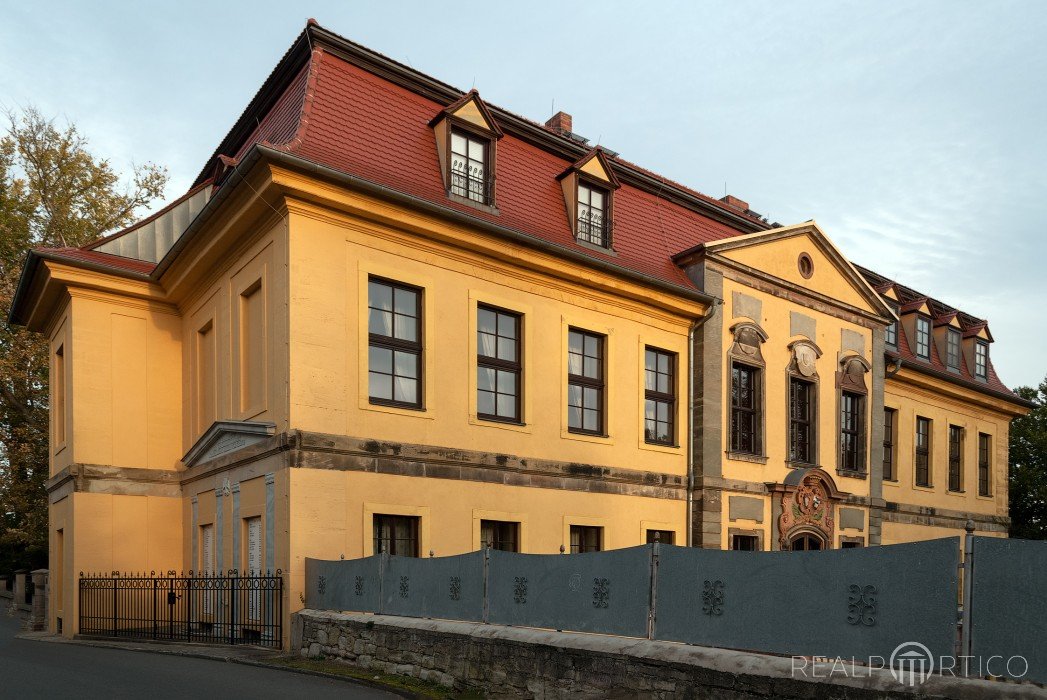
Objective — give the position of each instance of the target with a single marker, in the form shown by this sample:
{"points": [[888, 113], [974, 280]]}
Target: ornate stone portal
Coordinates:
{"points": [[807, 506]]}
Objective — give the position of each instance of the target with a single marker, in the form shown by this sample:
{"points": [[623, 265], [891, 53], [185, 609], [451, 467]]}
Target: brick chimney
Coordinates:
{"points": [[735, 203], [560, 123]]}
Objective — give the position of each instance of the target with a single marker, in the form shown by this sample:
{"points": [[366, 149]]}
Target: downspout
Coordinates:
{"points": [[698, 323]]}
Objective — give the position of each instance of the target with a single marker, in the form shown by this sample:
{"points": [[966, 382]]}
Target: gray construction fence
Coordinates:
{"points": [[864, 604]]}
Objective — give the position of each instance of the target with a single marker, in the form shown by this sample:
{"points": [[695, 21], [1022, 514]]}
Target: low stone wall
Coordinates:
{"points": [[514, 662]]}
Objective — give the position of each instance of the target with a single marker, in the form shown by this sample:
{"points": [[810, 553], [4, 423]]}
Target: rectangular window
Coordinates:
{"points": [[659, 396], [592, 215], [500, 534], [850, 544], [585, 382], [981, 360], [801, 421], [745, 409], [58, 394], [984, 464], [661, 537], [206, 377], [955, 458], [889, 418], [952, 348], [890, 336], [498, 365], [469, 173], [396, 534], [923, 452], [745, 543], [586, 538], [394, 357], [923, 337], [852, 432], [252, 349]]}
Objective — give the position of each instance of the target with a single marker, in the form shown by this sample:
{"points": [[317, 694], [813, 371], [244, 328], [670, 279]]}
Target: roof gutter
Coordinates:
{"points": [[368, 187]]}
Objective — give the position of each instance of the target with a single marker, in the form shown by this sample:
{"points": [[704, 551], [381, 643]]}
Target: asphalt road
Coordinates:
{"points": [[31, 669]]}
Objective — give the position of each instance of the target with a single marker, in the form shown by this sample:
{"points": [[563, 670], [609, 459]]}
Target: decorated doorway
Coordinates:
{"points": [[805, 508]]}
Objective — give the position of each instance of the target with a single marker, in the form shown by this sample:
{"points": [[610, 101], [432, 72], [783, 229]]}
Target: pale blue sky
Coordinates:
{"points": [[913, 132]]}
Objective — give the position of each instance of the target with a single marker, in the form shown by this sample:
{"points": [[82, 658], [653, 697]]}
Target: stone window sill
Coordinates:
{"points": [[746, 457]]}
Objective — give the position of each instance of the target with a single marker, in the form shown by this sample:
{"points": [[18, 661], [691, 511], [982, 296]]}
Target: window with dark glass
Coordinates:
{"points": [[852, 432], [981, 359], [850, 544], [659, 396], [586, 538], [585, 382], [500, 534], [498, 365], [592, 214], [801, 421], [396, 534], [955, 458], [984, 464], [923, 452], [889, 417], [470, 156], [745, 409], [890, 336], [923, 337], [661, 537], [395, 346], [745, 543], [952, 348]]}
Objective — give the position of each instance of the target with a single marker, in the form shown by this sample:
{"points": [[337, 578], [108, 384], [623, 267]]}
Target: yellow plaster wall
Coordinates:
{"points": [[910, 402], [331, 259], [124, 388]]}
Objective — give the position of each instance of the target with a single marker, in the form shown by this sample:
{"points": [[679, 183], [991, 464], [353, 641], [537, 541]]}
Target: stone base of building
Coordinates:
{"points": [[515, 662]]}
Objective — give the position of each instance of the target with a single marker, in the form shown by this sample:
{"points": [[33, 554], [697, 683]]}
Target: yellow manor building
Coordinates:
{"points": [[390, 316]]}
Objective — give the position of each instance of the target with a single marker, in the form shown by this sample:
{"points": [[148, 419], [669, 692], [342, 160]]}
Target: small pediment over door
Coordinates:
{"points": [[227, 436]]}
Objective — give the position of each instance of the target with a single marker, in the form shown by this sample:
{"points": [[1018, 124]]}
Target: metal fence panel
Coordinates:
{"points": [[846, 603], [606, 592], [1009, 608], [444, 587], [351, 584]]}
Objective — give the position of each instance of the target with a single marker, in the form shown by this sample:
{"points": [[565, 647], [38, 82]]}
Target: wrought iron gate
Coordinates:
{"points": [[208, 608]]}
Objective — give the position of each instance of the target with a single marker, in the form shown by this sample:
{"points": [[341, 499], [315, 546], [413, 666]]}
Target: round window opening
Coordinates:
{"points": [[806, 265]]}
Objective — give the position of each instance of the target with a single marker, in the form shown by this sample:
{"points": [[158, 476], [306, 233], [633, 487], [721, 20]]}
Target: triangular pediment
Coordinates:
{"points": [[595, 165], [471, 109], [802, 255], [226, 436]]}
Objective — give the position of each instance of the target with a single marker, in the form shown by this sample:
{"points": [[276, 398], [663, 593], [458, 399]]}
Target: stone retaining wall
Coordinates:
{"points": [[514, 662]]}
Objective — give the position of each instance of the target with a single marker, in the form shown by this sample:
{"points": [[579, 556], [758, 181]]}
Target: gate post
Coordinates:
{"points": [[232, 608], [383, 557], [156, 620], [486, 574], [114, 580], [968, 581]]}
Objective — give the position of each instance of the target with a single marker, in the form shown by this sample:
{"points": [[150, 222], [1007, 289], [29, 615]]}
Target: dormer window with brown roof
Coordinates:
{"points": [[952, 349], [588, 190], [469, 172], [981, 359], [923, 337], [466, 138]]}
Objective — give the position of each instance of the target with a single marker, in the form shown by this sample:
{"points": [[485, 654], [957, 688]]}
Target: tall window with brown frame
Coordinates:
{"points": [[659, 396], [923, 451], [955, 458], [395, 343], [585, 382], [984, 464], [745, 409], [802, 429], [890, 417], [923, 337], [852, 432], [499, 366]]}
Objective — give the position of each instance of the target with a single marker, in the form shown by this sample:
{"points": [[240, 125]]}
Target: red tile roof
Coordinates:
{"points": [[94, 257]]}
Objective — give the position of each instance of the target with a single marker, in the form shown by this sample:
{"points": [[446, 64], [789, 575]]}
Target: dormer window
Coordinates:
{"points": [[981, 360], [592, 214], [470, 155], [923, 337], [890, 336], [952, 349]]}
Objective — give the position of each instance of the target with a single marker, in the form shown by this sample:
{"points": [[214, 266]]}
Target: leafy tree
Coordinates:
{"points": [[1028, 479], [53, 192]]}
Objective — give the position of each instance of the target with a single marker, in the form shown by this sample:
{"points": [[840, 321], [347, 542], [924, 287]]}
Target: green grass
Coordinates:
{"points": [[403, 683]]}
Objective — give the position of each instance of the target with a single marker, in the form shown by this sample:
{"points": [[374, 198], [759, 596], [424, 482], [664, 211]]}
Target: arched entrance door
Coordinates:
{"points": [[805, 542]]}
